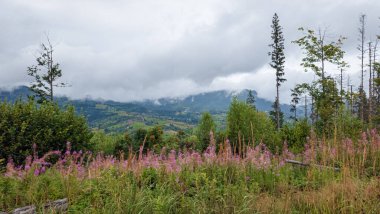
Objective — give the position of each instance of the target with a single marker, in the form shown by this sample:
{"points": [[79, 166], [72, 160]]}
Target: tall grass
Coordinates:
{"points": [[252, 180]]}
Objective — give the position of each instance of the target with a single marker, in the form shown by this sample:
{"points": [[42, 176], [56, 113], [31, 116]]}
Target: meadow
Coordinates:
{"points": [[340, 176]]}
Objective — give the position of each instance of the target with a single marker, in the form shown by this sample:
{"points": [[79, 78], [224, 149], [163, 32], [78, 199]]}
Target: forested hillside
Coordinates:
{"points": [[172, 113]]}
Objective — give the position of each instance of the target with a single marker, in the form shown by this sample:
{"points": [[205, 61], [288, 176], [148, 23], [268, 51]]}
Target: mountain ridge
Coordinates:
{"points": [[172, 113]]}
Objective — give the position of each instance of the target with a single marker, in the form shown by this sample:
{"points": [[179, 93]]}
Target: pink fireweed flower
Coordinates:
{"points": [[308, 153], [348, 146], [36, 172], [210, 154], [286, 154]]}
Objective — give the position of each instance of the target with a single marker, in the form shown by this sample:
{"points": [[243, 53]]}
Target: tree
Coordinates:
{"points": [[273, 115], [375, 78], [278, 61], [323, 91], [318, 52], [376, 69], [205, 126], [125, 145], [154, 138], [295, 100], [45, 73], [246, 125], [361, 48], [370, 89], [251, 99]]}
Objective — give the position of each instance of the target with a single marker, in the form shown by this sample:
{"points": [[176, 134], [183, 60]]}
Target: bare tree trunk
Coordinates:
{"points": [[306, 107], [375, 88], [370, 83], [361, 48], [278, 107], [321, 40]]}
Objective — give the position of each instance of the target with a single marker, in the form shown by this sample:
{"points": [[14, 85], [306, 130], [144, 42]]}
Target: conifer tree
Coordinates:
{"points": [[251, 99], [277, 63], [295, 100]]}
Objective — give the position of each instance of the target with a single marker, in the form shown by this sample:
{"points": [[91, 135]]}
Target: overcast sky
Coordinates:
{"points": [[132, 50]]}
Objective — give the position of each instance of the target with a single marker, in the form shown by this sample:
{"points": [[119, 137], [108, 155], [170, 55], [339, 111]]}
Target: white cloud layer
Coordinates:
{"points": [[134, 50]]}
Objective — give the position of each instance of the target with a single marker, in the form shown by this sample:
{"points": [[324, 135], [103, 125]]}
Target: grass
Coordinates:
{"points": [[253, 181]]}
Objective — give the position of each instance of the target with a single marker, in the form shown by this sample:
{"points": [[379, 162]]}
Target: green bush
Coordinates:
{"points": [[244, 123], [24, 124], [295, 134], [206, 124], [105, 143]]}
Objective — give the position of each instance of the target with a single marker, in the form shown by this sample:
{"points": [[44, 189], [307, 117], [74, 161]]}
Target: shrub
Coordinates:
{"points": [[205, 126], [246, 123], [106, 143], [295, 134], [24, 124]]}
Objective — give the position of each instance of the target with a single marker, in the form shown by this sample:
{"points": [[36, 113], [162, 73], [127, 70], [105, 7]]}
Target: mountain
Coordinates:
{"points": [[171, 113], [213, 102]]}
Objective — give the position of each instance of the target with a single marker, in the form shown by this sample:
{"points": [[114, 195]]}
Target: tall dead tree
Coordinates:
{"points": [[370, 90], [361, 48]]}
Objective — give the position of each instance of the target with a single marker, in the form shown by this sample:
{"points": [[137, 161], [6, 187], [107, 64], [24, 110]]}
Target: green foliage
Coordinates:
{"points": [[273, 115], [190, 142], [318, 53], [155, 138], [205, 126], [318, 50], [105, 143], [206, 189], [376, 70], [295, 134], [277, 54], [246, 125], [125, 145], [24, 124], [347, 125]]}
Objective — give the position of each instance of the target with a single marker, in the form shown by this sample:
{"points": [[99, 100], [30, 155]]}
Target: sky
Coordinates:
{"points": [[130, 50]]}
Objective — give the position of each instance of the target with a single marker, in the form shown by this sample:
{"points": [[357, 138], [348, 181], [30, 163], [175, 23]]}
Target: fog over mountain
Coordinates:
{"points": [[185, 111]]}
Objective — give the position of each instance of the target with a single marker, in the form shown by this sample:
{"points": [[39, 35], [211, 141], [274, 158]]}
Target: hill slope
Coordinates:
{"points": [[171, 113]]}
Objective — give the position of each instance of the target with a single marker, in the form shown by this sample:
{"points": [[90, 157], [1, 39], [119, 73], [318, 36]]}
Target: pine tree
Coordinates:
{"points": [[251, 99], [278, 61], [294, 103]]}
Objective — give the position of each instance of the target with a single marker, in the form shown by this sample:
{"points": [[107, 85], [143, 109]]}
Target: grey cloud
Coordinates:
{"points": [[132, 50]]}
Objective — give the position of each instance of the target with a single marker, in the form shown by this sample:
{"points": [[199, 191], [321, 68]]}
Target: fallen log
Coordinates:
{"points": [[312, 165], [25, 210], [58, 206]]}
